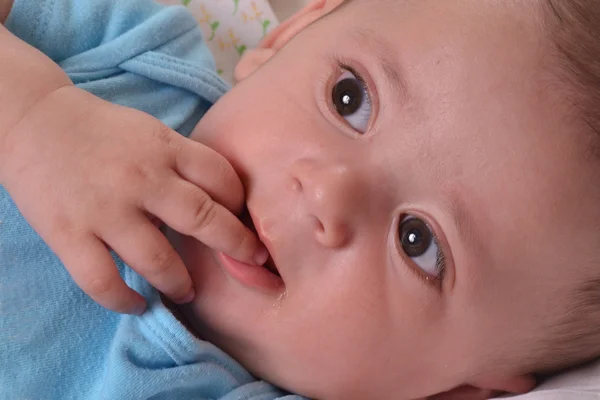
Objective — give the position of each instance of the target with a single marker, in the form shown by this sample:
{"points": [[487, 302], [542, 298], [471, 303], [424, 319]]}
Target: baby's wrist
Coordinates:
{"points": [[26, 79], [29, 110]]}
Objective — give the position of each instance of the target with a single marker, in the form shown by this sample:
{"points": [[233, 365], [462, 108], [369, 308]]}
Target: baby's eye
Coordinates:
{"points": [[419, 243], [352, 101]]}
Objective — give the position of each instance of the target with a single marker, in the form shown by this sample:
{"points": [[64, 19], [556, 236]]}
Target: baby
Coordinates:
{"points": [[414, 169]]}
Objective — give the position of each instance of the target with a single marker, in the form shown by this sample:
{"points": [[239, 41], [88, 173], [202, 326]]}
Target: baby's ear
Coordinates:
{"points": [[484, 389], [279, 36]]}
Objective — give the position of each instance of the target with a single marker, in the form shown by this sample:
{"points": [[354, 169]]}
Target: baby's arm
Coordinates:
{"points": [[88, 174], [5, 6]]}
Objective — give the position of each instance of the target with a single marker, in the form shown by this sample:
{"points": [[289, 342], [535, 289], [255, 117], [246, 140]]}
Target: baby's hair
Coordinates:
{"points": [[574, 27], [574, 30]]}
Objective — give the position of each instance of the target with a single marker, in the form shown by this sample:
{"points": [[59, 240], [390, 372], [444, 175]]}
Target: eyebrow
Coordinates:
{"points": [[383, 50], [463, 220]]}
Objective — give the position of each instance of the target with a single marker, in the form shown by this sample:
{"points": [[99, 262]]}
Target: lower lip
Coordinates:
{"points": [[250, 275]]}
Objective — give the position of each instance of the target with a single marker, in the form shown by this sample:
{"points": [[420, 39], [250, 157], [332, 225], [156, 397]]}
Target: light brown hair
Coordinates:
{"points": [[574, 31]]}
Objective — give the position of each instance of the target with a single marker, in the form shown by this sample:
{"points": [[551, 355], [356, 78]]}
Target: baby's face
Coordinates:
{"points": [[421, 196]]}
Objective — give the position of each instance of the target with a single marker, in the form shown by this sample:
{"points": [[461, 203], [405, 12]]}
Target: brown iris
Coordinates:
{"points": [[415, 237]]}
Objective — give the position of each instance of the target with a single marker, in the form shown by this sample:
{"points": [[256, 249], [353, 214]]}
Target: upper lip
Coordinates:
{"points": [[263, 238]]}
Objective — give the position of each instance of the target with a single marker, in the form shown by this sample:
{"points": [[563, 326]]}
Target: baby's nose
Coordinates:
{"points": [[331, 193]]}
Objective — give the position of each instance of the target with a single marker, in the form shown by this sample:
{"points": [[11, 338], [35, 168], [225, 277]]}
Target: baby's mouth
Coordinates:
{"points": [[246, 219]]}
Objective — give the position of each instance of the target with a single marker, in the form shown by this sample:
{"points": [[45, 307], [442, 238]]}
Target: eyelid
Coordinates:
{"points": [[356, 74]]}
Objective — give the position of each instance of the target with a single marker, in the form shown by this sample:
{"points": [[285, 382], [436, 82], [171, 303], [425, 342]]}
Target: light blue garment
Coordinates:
{"points": [[55, 343]]}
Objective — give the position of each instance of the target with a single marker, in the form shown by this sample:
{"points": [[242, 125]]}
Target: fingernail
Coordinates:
{"points": [[187, 298], [139, 309], [261, 256]]}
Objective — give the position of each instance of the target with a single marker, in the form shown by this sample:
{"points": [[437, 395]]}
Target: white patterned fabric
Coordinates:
{"points": [[230, 27]]}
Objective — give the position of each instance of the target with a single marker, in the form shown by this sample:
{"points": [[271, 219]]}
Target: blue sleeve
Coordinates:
{"points": [[54, 341], [155, 357], [134, 53]]}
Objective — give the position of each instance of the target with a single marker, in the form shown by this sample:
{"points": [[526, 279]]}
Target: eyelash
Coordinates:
{"points": [[344, 66], [347, 67], [441, 264]]}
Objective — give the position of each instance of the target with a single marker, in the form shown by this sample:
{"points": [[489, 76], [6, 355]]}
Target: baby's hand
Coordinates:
{"points": [[88, 174]]}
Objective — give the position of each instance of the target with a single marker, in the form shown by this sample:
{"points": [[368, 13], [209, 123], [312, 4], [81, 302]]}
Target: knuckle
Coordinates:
{"points": [[227, 174], [243, 241], [223, 168], [136, 173], [178, 148], [162, 262], [136, 179], [163, 134], [205, 212], [98, 287]]}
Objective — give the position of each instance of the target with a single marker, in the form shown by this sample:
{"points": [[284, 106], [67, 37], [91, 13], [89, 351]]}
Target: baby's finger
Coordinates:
{"points": [[94, 270], [210, 171], [145, 249], [191, 211]]}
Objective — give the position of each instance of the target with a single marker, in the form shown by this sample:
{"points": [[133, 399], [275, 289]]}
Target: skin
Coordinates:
{"points": [[469, 139], [127, 172], [5, 7]]}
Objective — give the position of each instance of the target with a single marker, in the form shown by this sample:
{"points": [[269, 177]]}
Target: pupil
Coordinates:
{"points": [[347, 96], [415, 237]]}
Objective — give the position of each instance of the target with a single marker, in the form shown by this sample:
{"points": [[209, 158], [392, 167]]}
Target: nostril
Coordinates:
{"points": [[330, 235], [319, 227], [297, 185]]}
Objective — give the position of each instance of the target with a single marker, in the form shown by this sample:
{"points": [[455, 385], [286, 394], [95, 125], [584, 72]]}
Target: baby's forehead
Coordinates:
{"points": [[371, 12]]}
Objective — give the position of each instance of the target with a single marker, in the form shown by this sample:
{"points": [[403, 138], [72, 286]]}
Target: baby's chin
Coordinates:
{"points": [[220, 311], [208, 309]]}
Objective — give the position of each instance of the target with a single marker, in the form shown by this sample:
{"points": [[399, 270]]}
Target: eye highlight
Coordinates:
{"points": [[352, 101], [420, 245]]}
